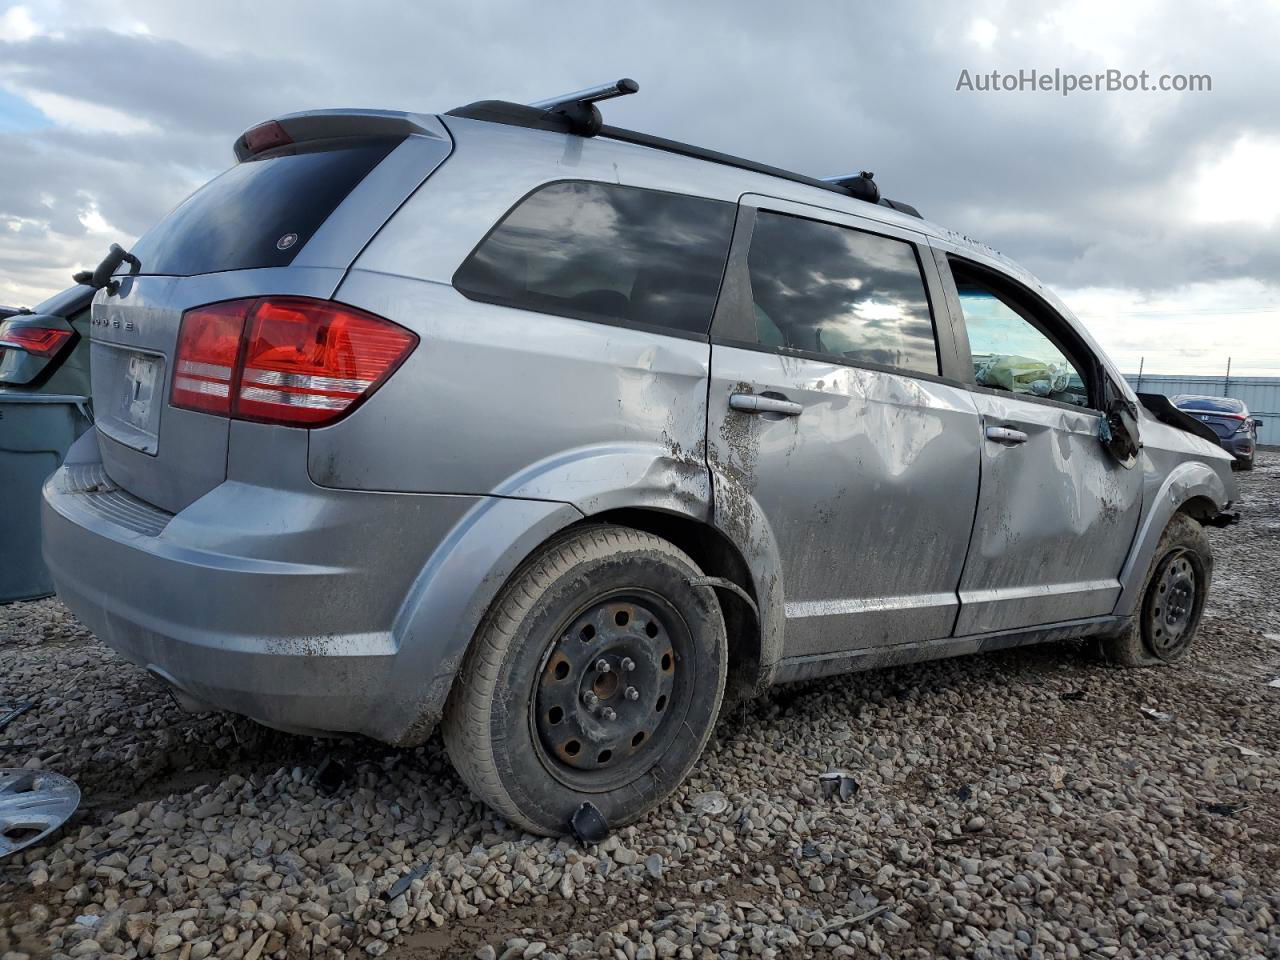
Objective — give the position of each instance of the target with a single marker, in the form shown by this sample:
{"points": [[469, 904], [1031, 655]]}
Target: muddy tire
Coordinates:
{"points": [[1173, 596], [596, 676]]}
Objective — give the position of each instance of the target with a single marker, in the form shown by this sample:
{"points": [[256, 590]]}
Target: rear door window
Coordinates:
{"points": [[824, 289], [609, 253], [262, 211]]}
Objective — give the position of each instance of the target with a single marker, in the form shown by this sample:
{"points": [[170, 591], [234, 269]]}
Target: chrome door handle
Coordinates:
{"points": [[1006, 435], [758, 403]]}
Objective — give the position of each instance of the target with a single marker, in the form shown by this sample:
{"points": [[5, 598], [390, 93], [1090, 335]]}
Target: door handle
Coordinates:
{"points": [[1006, 435], [761, 403]]}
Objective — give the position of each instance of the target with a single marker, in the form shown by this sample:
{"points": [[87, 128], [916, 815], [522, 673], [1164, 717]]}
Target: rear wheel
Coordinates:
{"points": [[596, 676], [1173, 597]]}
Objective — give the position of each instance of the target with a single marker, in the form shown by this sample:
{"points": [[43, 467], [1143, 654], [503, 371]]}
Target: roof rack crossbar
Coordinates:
{"points": [[605, 91], [862, 185]]}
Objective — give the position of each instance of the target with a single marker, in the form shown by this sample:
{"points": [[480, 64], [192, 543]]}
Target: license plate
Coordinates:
{"points": [[140, 384]]}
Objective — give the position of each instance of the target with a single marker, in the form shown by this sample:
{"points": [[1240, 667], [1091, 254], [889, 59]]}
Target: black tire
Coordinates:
{"points": [[1246, 464], [1163, 630], [663, 640]]}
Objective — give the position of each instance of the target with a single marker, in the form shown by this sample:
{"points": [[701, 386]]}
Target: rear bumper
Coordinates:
{"points": [[1239, 447], [279, 604]]}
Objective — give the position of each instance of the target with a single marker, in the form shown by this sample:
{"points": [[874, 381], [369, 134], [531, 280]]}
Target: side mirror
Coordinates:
{"points": [[1118, 429], [1118, 432]]}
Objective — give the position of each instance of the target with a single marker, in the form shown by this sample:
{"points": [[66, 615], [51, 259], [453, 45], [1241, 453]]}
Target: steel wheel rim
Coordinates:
{"points": [[1172, 607], [612, 690]]}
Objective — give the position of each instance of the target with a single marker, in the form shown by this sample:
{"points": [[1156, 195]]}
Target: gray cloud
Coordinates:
{"points": [[1090, 190]]}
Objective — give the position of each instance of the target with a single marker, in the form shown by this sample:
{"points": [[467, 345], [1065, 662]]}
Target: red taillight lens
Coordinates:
{"points": [[308, 361], [38, 341], [287, 360], [208, 351]]}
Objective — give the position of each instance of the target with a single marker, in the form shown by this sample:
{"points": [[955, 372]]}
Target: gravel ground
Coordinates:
{"points": [[1019, 804]]}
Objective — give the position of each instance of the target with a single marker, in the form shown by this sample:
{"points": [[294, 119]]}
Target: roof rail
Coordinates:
{"points": [[576, 113]]}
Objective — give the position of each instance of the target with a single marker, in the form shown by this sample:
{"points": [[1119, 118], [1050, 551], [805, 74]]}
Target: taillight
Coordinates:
{"points": [[37, 341], [208, 351], [287, 360]]}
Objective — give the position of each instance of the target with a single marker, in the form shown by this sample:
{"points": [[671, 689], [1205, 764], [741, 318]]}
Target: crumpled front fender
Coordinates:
{"points": [[1185, 482]]}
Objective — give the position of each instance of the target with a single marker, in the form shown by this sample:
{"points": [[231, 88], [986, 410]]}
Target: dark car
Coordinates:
{"points": [[1229, 418], [44, 406]]}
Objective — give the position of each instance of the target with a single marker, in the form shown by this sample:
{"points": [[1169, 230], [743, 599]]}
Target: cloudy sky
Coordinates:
{"points": [[1156, 215]]}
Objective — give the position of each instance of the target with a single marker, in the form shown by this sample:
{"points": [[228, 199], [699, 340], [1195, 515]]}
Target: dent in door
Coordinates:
{"points": [[1055, 520], [870, 495]]}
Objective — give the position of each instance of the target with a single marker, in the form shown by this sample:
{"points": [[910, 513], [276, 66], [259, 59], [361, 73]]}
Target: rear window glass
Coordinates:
{"points": [[1210, 404], [605, 252], [262, 211]]}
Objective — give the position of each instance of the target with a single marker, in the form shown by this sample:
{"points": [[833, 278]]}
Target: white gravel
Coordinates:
{"points": [[1012, 805]]}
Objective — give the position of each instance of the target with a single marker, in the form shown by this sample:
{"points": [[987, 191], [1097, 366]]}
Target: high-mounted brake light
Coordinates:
{"points": [[286, 360], [266, 136], [37, 341]]}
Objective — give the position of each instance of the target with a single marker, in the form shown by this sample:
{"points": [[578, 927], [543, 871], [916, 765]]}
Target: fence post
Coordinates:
{"points": [[1226, 381], [1142, 362]]}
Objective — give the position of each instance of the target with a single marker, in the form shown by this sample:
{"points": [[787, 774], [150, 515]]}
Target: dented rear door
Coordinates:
{"points": [[864, 474]]}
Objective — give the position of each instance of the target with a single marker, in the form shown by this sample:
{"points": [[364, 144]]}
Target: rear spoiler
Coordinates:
{"points": [[335, 124], [1162, 409]]}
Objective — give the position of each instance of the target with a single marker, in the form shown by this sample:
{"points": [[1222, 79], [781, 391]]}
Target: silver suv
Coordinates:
{"points": [[555, 435]]}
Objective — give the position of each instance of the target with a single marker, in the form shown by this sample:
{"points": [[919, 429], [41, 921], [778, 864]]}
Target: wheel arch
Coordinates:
{"points": [[1200, 508], [1193, 488], [466, 574], [717, 555]]}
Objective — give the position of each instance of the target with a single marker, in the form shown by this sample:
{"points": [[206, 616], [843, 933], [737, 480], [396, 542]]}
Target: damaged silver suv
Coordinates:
{"points": [[554, 435]]}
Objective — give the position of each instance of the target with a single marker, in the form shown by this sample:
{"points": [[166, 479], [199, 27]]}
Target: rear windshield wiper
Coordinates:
{"points": [[101, 275]]}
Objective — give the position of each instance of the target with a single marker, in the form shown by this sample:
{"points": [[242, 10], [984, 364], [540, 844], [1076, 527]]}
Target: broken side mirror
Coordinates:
{"points": [[1118, 429]]}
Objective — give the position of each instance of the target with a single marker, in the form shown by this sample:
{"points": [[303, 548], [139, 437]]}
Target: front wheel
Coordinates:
{"points": [[596, 676], [1173, 598]]}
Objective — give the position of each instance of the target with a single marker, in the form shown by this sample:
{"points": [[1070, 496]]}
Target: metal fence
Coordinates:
{"points": [[1260, 394]]}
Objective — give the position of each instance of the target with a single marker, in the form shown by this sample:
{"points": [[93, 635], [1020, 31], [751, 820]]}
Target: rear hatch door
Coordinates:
{"points": [[287, 221], [162, 454]]}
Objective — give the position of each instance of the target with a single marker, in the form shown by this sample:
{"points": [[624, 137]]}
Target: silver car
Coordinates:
{"points": [[556, 435]]}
